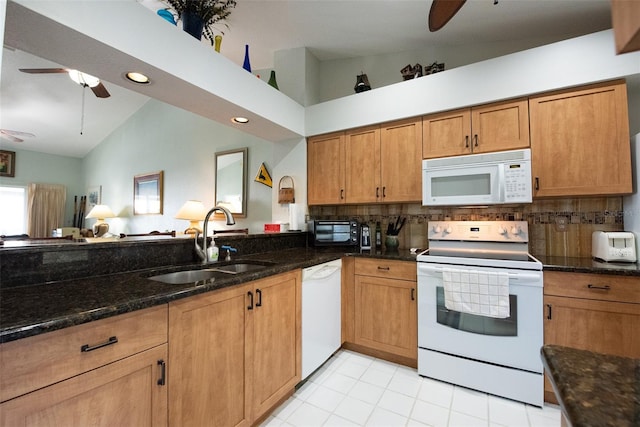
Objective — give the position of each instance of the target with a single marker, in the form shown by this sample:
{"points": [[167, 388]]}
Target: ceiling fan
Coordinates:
{"points": [[442, 11], [14, 135], [83, 79]]}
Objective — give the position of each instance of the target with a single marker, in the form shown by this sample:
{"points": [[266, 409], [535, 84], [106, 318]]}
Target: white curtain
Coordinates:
{"points": [[45, 208]]}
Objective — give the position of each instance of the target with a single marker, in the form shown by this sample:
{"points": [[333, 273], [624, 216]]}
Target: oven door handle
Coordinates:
{"points": [[524, 277]]}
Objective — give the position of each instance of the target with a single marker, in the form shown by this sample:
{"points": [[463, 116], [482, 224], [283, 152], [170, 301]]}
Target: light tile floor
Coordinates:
{"points": [[352, 389]]}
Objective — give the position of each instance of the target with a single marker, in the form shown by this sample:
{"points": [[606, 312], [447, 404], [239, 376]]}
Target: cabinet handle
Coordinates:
{"points": [[383, 268], [537, 184], [259, 293], [377, 192], [86, 348], [163, 372], [466, 141], [384, 192], [549, 311], [475, 138], [601, 288], [250, 306], [342, 194], [413, 294]]}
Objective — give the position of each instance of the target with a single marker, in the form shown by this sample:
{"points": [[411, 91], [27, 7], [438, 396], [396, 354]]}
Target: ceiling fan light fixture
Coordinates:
{"points": [[136, 77], [83, 79], [240, 120]]}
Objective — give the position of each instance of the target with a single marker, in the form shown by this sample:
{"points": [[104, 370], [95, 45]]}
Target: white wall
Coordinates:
{"points": [[163, 137]]}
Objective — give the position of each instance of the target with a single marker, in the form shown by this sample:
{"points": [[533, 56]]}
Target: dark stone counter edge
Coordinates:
{"points": [[53, 324], [593, 388]]}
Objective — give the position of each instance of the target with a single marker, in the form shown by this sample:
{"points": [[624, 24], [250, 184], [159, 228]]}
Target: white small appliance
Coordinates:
{"points": [[478, 179], [617, 246]]}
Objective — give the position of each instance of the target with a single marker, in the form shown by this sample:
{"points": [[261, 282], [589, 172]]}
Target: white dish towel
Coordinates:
{"points": [[478, 292]]}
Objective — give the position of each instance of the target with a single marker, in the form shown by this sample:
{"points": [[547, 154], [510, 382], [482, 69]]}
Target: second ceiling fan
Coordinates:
{"points": [[83, 79]]}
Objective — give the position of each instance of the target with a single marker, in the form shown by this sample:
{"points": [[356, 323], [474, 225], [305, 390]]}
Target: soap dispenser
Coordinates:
{"points": [[213, 252]]}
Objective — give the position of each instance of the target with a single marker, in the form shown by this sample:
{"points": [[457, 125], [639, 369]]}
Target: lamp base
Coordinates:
{"points": [[192, 230], [100, 230]]}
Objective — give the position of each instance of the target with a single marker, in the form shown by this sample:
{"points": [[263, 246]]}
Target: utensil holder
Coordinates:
{"points": [[286, 194]]}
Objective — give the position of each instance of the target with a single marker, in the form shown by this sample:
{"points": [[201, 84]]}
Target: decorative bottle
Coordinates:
{"points": [[247, 64], [217, 42], [272, 80]]}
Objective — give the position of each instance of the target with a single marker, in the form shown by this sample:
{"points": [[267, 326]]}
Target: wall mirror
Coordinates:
{"points": [[147, 193], [231, 181]]}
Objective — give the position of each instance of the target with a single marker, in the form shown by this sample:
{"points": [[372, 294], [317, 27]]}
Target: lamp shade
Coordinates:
{"points": [[101, 212], [192, 210]]}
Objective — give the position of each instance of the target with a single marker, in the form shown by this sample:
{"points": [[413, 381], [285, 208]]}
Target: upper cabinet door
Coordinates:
{"points": [[326, 169], [362, 155], [500, 126], [400, 161], [446, 134], [580, 141]]}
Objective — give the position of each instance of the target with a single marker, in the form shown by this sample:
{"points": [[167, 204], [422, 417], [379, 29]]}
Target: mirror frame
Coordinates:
{"points": [[153, 188], [218, 155]]}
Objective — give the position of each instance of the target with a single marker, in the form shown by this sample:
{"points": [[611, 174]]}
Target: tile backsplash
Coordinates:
{"points": [[556, 227]]}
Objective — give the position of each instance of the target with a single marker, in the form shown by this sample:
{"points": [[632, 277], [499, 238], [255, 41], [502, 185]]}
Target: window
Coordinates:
{"points": [[13, 210]]}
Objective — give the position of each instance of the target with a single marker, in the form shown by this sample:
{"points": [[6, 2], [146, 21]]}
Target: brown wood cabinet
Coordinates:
{"points": [[625, 17], [593, 312], [580, 141], [234, 353], [485, 128], [326, 169], [374, 164], [108, 372], [380, 308]]}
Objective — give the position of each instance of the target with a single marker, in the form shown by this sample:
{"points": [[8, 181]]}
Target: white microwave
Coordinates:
{"points": [[478, 179]]}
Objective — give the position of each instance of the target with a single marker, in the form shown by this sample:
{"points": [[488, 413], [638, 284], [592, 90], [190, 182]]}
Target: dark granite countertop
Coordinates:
{"points": [[30, 310], [594, 389], [588, 265]]}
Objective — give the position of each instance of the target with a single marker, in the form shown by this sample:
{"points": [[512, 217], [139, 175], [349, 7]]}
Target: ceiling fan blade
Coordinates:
{"points": [[100, 91], [15, 133], [442, 11], [43, 70]]}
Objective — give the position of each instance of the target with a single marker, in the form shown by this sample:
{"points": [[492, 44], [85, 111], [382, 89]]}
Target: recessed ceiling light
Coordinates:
{"points": [[240, 120], [137, 77]]}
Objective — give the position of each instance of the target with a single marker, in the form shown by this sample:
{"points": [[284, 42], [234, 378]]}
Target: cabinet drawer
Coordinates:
{"points": [[603, 287], [35, 362], [403, 270]]}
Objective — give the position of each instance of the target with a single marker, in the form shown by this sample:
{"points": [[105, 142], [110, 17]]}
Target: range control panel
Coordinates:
{"points": [[485, 231]]}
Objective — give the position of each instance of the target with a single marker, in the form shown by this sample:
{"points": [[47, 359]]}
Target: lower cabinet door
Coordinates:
{"points": [[129, 392], [275, 355], [386, 315], [207, 343]]}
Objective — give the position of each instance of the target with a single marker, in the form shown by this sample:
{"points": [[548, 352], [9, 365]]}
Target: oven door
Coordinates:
{"points": [[512, 342]]}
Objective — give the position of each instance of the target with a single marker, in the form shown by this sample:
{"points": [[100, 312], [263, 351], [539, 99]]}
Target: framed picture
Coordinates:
{"points": [[147, 194], [7, 163], [94, 196]]}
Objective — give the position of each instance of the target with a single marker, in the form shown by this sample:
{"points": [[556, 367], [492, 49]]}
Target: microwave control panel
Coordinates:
{"points": [[517, 182]]}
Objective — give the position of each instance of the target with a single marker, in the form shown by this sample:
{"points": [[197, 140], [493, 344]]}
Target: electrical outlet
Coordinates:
{"points": [[561, 223]]}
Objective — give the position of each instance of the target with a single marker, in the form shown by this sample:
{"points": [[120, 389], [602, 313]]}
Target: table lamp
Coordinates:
{"points": [[194, 212], [100, 228]]}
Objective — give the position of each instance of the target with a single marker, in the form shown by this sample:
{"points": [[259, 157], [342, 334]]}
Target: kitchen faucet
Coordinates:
{"points": [[202, 251]]}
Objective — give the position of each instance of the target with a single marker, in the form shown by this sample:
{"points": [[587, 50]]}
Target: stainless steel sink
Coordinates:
{"points": [[196, 275], [183, 277], [241, 267]]}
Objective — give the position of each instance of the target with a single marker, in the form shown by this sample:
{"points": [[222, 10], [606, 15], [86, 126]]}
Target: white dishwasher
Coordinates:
{"points": [[321, 318]]}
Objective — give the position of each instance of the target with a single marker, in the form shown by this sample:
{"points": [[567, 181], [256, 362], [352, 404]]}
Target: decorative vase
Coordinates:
{"points": [[192, 24], [247, 64], [391, 243], [167, 15], [272, 80], [217, 42]]}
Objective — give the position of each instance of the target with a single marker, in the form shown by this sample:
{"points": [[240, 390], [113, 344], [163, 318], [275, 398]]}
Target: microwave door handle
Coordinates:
{"points": [[501, 184]]}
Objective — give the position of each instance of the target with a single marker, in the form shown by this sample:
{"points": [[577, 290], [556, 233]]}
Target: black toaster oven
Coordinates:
{"points": [[334, 232]]}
